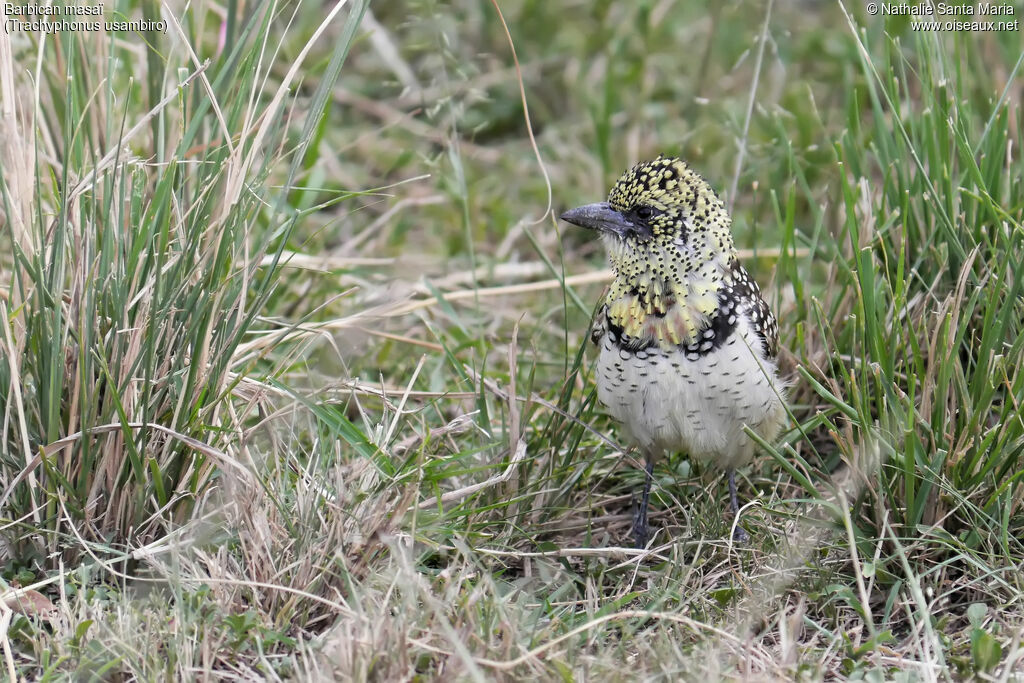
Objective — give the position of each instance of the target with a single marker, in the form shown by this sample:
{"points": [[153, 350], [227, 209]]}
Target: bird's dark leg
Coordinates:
{"points": [[740, 535], [640, 528]]}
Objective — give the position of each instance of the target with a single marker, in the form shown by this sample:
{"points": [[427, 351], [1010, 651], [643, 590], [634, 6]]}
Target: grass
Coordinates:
{"points": [[295, 380]]}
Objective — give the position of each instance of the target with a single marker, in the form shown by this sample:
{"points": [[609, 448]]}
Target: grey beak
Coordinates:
{"points": [[600, 217]]}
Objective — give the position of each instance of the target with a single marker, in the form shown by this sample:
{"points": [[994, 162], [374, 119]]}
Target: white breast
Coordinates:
{"points": [[669, 402]]}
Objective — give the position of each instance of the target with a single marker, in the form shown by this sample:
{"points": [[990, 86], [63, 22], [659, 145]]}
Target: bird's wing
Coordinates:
{"points": [[599, 324], [748, 300], [599, 319], [767, 328]]}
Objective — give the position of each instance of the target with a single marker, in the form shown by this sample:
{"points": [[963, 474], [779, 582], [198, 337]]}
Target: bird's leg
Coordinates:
{"points": [[640, 528], [739, 535]]}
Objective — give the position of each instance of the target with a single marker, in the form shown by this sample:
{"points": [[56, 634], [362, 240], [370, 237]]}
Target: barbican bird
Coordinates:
{"points": [[687, 344]]}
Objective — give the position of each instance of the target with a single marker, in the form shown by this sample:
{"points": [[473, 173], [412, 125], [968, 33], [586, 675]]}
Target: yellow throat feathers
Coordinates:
{"points": [[670, 314]]}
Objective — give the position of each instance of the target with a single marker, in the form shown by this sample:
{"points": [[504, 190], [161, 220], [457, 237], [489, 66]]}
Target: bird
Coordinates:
{"points": [[687, 346]]}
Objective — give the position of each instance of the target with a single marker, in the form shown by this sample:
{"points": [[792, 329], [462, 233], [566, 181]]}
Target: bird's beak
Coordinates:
{"points": [[601, 217]]}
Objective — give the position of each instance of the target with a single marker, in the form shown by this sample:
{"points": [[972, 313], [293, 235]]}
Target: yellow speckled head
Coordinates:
{"points": [[660, 212], [670, 198]]}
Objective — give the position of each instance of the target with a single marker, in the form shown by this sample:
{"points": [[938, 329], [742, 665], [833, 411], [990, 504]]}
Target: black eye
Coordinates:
{"points": [[644, 212]]}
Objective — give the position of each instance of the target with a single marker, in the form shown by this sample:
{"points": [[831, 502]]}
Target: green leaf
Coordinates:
{"points": [[82, 629], [976, 614], [724, 596], [985, 650]]}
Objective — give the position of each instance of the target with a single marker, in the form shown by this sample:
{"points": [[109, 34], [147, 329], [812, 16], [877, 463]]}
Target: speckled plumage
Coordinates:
{"points": [[686, 344]]}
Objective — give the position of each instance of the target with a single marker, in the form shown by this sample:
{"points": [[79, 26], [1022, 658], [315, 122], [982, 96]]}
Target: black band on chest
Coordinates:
{"points": [[716, 334]]}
